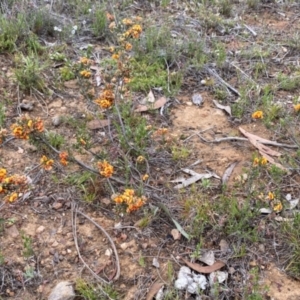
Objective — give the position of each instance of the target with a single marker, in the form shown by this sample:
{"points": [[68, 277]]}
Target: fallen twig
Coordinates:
{"points": [[250, 29], [75, 211], [236, 138], [222, 81]]}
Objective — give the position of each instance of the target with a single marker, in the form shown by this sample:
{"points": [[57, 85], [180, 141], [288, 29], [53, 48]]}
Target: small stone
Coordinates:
{"points": [[12, 231], [63, 252], [40, 229], [224, 245], [55, 244], [108, 252], [56, 120], [51, 251], [26, 105], [69, 251], [105, 201], [144, 245], [176, 234], [231, 270], [61, 257], [262, 248], [62, 291], [253, 263], [57, 205]]}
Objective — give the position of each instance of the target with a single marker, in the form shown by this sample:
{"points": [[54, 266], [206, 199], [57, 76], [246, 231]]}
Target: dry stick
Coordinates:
{"points": [[246, 75], [234, 138], [75, 211], [250, 29], [42, 99], [222, 81]]}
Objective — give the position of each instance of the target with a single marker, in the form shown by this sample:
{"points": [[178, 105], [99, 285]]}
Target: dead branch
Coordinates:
{"points": [[75, 211], [222, 81], [236, 138]]}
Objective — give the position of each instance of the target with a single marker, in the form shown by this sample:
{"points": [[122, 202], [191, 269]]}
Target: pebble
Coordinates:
{"points": [[40, 229], [56, 120], [62, 291]]}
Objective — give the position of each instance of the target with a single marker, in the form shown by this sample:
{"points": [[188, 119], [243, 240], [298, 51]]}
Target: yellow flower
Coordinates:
{"points": [[277, 206], [109, 16], [257, 115], [103, 103], [256, 161], [105, 169], [82, 142], [263, 161], [2, 174], [127, 22], [145, 177], [271, 196], [38, 125], [46, 163], [63, 158], [30, 123], [161, 131], [140, 159], [111, 49], [297, 107], [12, 197], [115, 56], [85, 74], [128, 46], [85, 61]]}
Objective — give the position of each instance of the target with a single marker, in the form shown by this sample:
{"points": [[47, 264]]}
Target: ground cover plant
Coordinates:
{"points": [[149, 149]]}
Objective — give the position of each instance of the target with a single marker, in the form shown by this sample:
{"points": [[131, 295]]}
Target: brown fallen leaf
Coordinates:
{"points": [[156, 286], [156, 105], [265, 151], [205, 270], [97, 124]]}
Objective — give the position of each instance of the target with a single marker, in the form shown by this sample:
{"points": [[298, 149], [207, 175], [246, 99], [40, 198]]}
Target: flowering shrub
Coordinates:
{"points": [[129, 200], [26, 126], [105, 169], [63, 158], [106, 98], [46, 163], [11, 186]]}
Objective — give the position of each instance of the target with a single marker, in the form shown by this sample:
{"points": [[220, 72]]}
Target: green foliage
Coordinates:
{"points": [[67, 73], [27, 246], [290, 233], [180, 152], [56, 140], [147, 75], [239, 219], [28, 72], [2, 114], [93, 292], [99, 23], [133, 134], [288, 83], [11, 31]]}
